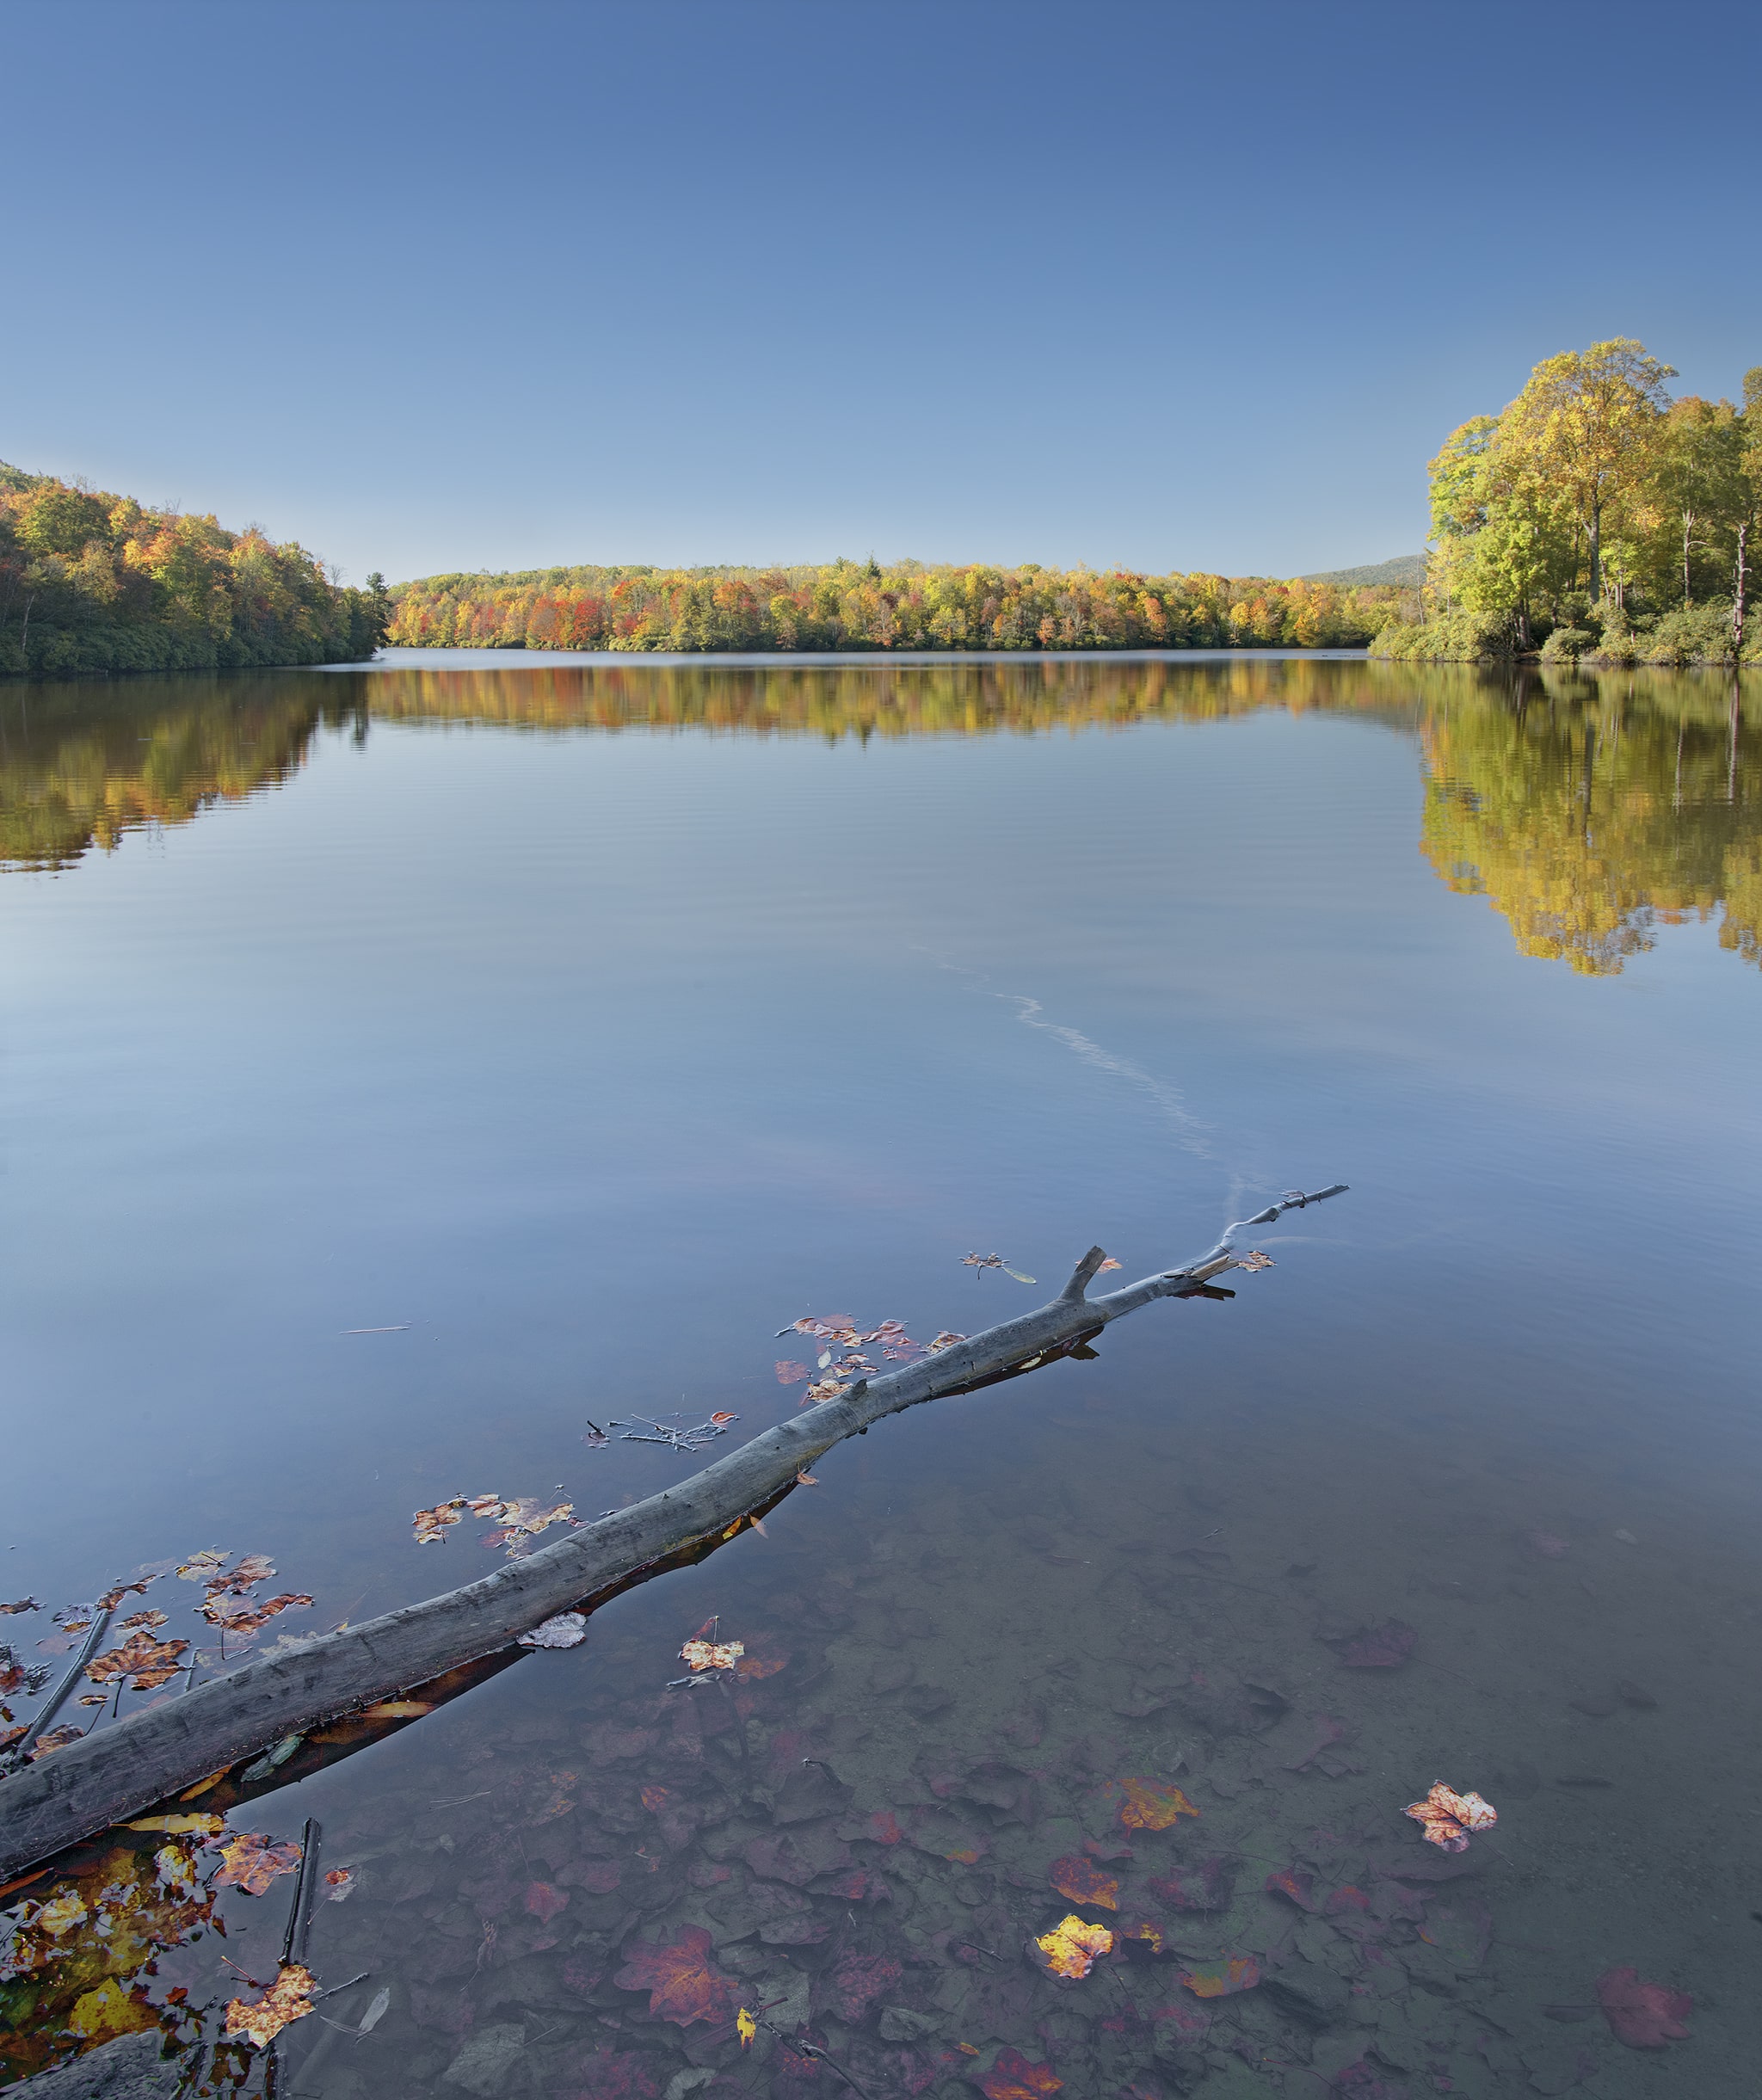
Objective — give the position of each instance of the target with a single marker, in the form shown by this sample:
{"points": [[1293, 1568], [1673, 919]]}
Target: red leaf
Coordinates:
{"points": [[543, 1902], [1013, 2077], [1645, 2016], [681, 1984], [789, 1372], [1293, 1882], [852, 1986], [1207, 1886]]}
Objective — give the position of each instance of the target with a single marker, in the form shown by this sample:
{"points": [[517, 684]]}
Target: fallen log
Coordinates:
{"points": [[123, 1769]]}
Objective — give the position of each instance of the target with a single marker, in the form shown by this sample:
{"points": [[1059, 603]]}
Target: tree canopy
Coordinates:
{"points": [[848, 605], [1598, 516], [95, 582]]}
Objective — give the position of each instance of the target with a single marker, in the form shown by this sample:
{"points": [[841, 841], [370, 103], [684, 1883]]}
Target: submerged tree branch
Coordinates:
{"points": [[119, 1772]]}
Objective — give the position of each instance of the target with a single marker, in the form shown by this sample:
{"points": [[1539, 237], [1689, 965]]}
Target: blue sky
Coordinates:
{"points": [[435, 286]]}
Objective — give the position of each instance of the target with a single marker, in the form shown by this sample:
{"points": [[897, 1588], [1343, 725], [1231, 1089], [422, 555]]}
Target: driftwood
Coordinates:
{"points": [[121, 1770]]}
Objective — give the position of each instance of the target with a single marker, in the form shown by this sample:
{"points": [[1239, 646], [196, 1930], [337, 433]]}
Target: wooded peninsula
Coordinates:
{"points": [[1595, 518], [92, 583]]}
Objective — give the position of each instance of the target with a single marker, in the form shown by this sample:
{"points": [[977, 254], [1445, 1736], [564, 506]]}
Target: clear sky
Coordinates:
{"points": [[430, 285]]}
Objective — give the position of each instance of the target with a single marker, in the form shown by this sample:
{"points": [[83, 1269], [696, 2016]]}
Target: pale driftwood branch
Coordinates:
{"points": [[123, 1769]]}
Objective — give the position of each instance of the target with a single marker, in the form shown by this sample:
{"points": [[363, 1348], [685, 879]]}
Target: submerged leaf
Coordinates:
{"points": [[681, 1984], [1071, 1949], [1222, 1978], [1152, 1804], [1644, 2015], [789, 1372], [57, 1739], [1084, 1883], [1013, 2077], [289, 1998]]}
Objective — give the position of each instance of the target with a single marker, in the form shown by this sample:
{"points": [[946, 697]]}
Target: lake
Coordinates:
{"points": [[421, 1081]]}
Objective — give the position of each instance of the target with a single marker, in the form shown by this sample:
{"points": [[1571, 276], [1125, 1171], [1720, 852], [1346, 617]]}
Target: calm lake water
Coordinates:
{"points": [[584, 1024]]}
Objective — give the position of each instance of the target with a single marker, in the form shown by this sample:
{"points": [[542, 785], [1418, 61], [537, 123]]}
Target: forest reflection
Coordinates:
{"points": [[1588, 809]]}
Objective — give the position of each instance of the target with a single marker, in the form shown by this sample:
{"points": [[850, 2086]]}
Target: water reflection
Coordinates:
{"points": [[1588, 810]]}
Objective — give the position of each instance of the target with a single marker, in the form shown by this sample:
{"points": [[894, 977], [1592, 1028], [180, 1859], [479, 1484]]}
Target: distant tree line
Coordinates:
{"points": [[848, 604], [93, 583], [1596, 518]]}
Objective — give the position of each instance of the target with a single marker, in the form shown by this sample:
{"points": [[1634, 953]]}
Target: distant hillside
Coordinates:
{"points": [[1405, 570]]}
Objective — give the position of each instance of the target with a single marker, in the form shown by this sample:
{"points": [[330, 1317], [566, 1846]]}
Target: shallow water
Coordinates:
{"points": [[598, 1020]]}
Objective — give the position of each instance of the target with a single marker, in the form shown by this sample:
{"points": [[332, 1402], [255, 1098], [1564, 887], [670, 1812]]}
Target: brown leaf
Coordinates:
{"points": [[253, 1568], [146, 1662], [1013, 2077], [789, 1372], [245, 1614], [57, 1739], [1152, 1804], [24, 1603]]}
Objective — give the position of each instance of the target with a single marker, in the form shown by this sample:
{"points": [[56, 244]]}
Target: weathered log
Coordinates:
{"points": [[121, 1771]]}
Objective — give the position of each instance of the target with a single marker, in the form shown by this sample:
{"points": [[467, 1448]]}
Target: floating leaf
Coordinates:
{"points": [[1109, 1263], [567, 1629], [1152, 1804], [109, 2009], [1447, 1817], [1253, 1259], [253, 1568], [190, 1824], [24, 1603], [61, 1913], [1017, 1274], [432, 1525], [1223, 1978], [1082, 1881], [200, 1566], [681, 1984], [340, 1884], [152, 1621], [395, 1709], [251, 1862], [289, 1998], [944, 1340], [244, 1615], [723, 1418], [1644, 2015], [145, 1662], [712, 1655], [1072, 1948], [806, 1480], [791, 1373]]}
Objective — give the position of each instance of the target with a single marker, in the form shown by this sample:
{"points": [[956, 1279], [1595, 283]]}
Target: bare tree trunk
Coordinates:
{"points": [[1688, 521], [1596, 549], [123, 1769], [1737, 592]]}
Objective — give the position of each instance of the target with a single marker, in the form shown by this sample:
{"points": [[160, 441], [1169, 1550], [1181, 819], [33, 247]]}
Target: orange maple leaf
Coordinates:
{"points": [[1013, 2077], [147, 1662], [682, 1987], [1084, 1883], [1223, 1978]]}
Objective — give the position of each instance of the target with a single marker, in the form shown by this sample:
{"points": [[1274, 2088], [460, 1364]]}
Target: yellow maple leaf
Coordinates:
{"points": [[109, 2011], [1073, 1947], [182, 1825], [1152, 1804], [745, 2026]]}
